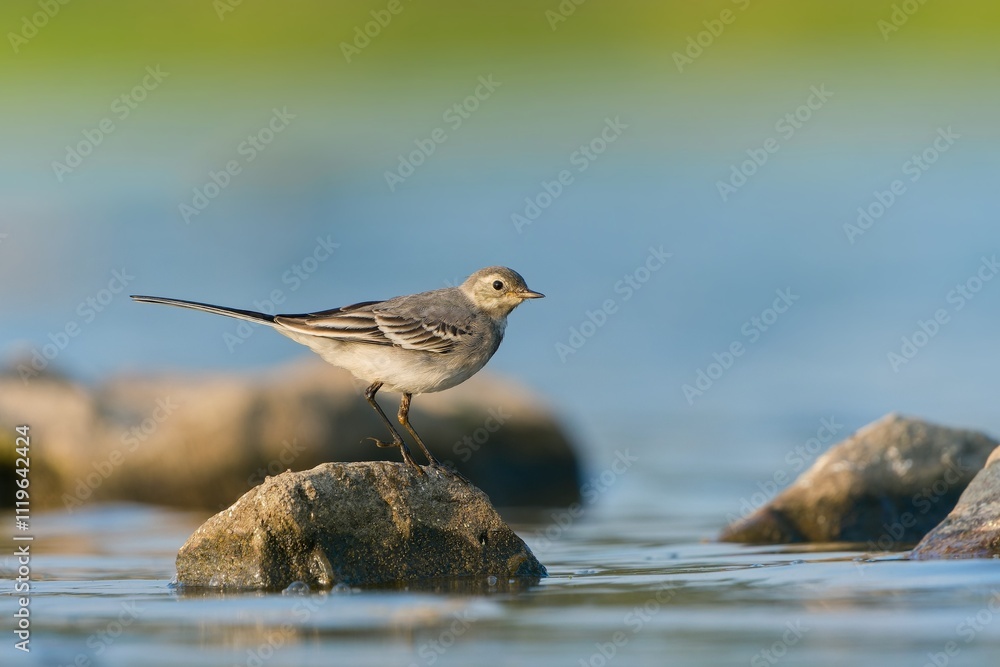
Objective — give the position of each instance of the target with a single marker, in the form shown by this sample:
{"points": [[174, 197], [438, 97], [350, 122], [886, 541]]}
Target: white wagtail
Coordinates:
{"points": [[411, 344]]}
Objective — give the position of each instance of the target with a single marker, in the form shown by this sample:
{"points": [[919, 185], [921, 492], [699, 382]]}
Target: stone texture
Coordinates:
{"points": [[887, 486], [358, 524], [972, 529], [201, 440]]}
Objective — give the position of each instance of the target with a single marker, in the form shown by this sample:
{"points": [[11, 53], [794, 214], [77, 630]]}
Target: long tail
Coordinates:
{"points": [[248, 315]]}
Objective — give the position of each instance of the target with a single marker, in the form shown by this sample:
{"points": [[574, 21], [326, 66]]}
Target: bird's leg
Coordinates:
{"points": [[404, 419], [397, 441]]}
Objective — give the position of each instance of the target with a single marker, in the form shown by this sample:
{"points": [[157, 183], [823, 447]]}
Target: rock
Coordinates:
{"points": [[63, 418], [198, 441], [356, 524], [887, 485], [972, 529]]}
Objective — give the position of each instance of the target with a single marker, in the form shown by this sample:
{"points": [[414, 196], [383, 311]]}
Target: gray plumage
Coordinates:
{"points": [[411, 344]]}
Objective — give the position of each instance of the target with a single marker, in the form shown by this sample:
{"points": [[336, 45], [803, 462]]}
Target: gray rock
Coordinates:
{"points": [[201, 440], [887, 486], [354, 523], [972, 529]]}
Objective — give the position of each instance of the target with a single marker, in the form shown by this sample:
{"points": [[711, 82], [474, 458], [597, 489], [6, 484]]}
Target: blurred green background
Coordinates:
{"points": [[324, 175]]}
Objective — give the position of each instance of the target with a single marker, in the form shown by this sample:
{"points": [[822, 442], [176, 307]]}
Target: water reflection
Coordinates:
{"points": [[462, 586], [642, 595]]}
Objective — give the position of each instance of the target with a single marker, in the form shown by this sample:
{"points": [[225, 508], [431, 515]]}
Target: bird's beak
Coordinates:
{"points": [[528, 294]]}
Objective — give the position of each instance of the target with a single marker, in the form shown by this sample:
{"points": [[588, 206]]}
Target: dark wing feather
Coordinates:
{"points": [[366, 323]]}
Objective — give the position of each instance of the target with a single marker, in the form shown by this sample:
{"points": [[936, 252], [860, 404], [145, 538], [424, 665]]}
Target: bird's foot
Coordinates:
{"points": [[448, 470], [407, 457], [379, 443]]}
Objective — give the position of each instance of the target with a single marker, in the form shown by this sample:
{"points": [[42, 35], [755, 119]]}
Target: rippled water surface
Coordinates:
{"points": [[630, 583]]}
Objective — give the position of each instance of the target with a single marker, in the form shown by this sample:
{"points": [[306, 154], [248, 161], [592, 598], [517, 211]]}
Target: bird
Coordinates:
{"points": [[413, 344]]}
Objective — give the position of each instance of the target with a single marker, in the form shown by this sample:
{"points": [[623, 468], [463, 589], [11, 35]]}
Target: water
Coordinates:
{"points": [[633, 578], [623, 389]]}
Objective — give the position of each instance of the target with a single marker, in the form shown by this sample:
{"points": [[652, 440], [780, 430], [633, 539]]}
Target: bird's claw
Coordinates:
{"points": [[407, 457], [442, 468], [379, 443]]}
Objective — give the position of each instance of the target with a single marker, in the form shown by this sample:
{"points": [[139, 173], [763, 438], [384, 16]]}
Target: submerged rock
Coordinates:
{"points": [[886, 485], [354, 523], [972, 529]]}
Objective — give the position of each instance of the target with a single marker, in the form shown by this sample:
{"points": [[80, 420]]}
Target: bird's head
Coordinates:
{"points": [[497, 290]]}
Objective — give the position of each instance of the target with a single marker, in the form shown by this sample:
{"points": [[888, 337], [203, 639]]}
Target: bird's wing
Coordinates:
{"points": [[367, 323], [426, 334]]}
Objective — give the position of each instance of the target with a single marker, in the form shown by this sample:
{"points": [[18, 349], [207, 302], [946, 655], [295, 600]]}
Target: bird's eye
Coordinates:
{"points": [[498, 285]]}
